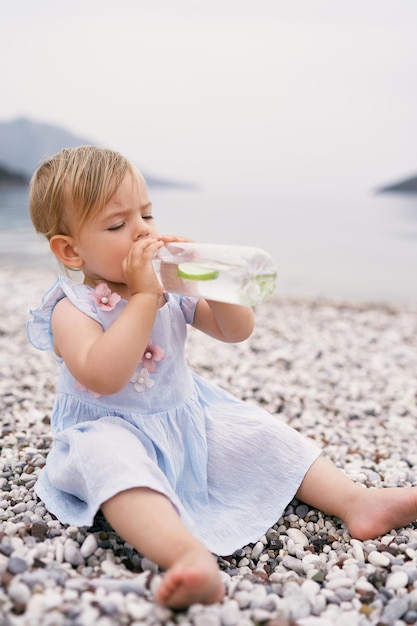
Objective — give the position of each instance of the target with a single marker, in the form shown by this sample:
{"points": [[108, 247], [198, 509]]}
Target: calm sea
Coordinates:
{"points": [[359, 246]]}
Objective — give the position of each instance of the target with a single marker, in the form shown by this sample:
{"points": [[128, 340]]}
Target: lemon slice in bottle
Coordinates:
{"points": [[193, 271]]}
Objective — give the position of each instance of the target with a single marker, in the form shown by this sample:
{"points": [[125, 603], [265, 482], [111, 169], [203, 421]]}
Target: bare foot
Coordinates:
{"points": [[195, 577], [375, 512]]}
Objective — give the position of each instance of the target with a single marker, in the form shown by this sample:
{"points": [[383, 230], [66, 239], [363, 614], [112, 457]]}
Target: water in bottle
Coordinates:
{"points": [[236, 274]]}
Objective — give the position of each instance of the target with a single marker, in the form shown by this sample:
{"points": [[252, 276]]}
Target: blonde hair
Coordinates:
{"points": [[74, 185]]}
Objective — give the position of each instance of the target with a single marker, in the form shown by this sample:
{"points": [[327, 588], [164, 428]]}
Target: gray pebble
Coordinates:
{"points": [[395, 610], [302, 510], [410, 617], [16, 565], [345, 594]]}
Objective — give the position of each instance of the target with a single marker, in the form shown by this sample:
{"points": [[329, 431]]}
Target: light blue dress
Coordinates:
{"points": [[229, 468]]}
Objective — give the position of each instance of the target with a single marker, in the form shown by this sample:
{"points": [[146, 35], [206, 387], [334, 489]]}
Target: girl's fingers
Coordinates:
{"points": [[168, 238], [144, 247]]}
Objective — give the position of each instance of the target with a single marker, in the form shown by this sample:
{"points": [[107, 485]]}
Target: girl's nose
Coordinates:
{"points": [[141, 228]]}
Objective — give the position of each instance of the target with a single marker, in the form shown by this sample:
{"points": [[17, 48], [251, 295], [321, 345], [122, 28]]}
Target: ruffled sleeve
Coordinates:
{"points": [[188, 305], [39, 329]]}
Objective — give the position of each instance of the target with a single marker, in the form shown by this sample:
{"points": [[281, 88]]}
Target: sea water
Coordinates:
{"points": [[242, 275], [350, 244]]}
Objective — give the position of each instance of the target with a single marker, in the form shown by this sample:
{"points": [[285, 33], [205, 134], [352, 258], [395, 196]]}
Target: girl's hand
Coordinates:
{"points": [[138, 269]]}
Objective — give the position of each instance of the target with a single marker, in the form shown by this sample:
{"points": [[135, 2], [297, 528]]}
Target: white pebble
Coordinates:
{"points": [[51, 599], [259, 615], [59, 553], [138, 610], [339, 581], [10, 529], [72, 552], [386, 540], [110, 569], [89, 546], [298, 537], [310, 588], [243, 598], [318, 604], [257, 549], [230, 613], [293, 564], [207, 618], [364, 585], [378, 559], [245, 585], [36, 605], [19, 592], [357, 550], [296, 606], [89, 617], [20, 507], [397, 580]]}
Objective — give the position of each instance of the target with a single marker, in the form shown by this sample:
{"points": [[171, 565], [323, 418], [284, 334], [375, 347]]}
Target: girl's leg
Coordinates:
{"points": [[367, 513], [148, 521]]}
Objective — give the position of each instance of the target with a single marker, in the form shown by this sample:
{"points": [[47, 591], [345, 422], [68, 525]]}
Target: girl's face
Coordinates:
{"points": [[105, 240]]}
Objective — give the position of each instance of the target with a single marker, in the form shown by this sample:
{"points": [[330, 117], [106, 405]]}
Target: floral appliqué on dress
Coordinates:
{"points": [[105, 298], [141, 379]]}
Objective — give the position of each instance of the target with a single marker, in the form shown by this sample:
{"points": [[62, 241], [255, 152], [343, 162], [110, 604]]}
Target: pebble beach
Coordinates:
{"points": [[343, 373]]}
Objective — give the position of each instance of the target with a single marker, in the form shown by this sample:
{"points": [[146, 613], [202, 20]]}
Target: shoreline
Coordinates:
{"points": [[344, 373]]}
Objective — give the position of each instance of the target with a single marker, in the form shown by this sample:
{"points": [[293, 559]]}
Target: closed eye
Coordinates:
{"points": [[118, 227]]}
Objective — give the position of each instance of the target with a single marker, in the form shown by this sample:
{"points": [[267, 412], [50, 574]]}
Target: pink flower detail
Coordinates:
{"points": [[82, 387], [152, 356], [105, 299], [141, 380]]}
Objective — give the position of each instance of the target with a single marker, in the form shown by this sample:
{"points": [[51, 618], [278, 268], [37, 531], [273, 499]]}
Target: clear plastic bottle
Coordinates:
{"points": [[236, 274]]}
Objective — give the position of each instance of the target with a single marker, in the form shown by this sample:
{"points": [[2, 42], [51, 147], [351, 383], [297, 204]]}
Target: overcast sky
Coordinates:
{"points": [[227, 93]]}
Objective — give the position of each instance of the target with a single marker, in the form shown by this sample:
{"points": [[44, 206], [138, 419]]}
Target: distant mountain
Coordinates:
{"points": [[408, 185], [10, 177], [24, 144]]}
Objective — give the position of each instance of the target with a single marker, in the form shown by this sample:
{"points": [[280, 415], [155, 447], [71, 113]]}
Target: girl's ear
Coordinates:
{"points": [[64, 249]]}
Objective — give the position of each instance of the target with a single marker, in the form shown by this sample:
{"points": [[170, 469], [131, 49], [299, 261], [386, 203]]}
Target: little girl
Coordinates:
{"points": [[180, 468]]}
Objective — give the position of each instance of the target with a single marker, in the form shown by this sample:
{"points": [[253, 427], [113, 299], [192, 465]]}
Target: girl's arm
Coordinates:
{"points": [[227, 322], [104, 361]]}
